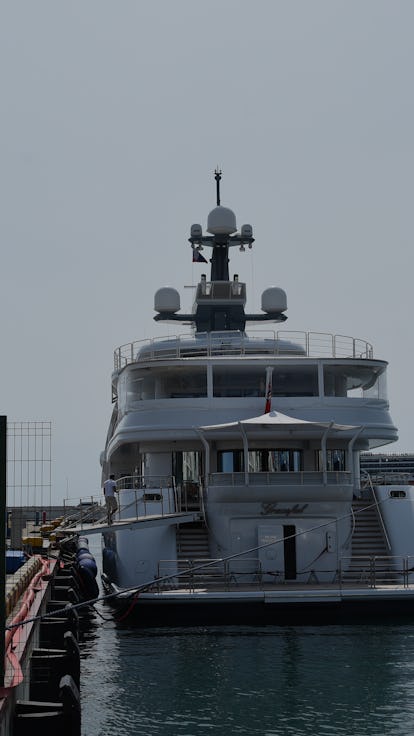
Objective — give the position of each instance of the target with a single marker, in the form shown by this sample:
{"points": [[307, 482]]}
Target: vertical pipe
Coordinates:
{"points": [[207, 455], [321, 383], [245, 453], [3, 481], [355, 477], [209, 380], [323, 448]]}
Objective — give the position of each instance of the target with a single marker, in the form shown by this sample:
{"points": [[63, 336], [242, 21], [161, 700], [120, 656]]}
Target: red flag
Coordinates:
{"points": [[268, 405]]}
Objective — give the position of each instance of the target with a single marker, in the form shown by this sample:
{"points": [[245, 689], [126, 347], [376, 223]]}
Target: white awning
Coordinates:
{"points": [[277, 420]]}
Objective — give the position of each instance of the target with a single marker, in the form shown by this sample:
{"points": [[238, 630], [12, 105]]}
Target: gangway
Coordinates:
{"points": [[157, 502], [100, 527]]}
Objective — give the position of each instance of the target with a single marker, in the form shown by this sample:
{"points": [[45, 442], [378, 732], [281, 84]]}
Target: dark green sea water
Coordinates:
{"points": [[341, 680], [273, 681]]}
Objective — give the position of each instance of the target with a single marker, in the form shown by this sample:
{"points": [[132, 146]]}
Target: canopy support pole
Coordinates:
{"points": [[355, 480], [207, 455], [323, 448]]}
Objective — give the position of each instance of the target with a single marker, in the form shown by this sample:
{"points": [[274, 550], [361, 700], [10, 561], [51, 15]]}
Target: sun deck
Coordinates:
{"points": [[257, 342]]}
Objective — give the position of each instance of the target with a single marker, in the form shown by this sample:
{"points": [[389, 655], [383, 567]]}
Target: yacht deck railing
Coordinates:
{"points": [[369, 572], [258, 342], [392, 478], [288, 478]]}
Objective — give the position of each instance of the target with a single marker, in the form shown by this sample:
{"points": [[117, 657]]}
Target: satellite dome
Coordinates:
{"points": [[274, 300], [167, 299], [221, 221]]}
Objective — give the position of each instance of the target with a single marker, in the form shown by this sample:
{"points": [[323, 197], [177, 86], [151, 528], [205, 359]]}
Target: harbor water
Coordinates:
{"points": [[272, 681]]}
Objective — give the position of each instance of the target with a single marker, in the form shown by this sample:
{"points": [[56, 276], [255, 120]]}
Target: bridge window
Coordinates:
{"points": [[368, 381], [186, 466], [335, 460], [295, 381], [231, 380], [165, 383], [260, 461], [230, 461]]}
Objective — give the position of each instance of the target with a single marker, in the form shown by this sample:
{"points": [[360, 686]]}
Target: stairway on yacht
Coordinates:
{"points": [[368, 542], [192, 541]]}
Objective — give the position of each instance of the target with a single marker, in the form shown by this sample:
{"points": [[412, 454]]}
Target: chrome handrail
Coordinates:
{"points": [[378, 569], [290, 477], [277, 343], [190, 574], [380, 517], [93, 510]]}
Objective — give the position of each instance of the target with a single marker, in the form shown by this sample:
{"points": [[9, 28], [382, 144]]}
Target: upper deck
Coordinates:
{"points": [[272, 343]]}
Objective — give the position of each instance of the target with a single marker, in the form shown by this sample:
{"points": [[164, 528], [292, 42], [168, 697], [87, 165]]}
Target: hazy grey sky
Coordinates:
{"points": [[114, 115]]}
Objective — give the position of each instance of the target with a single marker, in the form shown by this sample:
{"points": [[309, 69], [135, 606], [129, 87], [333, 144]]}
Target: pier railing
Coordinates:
{"points": [[269, 342]]}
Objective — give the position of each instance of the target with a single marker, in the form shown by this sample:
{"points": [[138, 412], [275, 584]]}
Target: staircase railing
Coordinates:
{"points": [[369, 484]]}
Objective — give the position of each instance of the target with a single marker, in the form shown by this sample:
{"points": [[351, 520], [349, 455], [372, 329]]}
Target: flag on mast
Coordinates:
{"points": [[268, 404], [198, 257]]}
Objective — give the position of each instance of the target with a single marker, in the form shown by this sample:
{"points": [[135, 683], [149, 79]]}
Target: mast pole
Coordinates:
{"points": [[217, 176]]}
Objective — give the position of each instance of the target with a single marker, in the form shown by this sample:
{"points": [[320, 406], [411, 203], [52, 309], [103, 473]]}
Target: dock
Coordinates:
{"points": [[44, 616]]}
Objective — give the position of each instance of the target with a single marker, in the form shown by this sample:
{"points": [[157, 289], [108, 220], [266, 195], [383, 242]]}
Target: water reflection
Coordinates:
{"points": [[270, 681], [287, 681]]}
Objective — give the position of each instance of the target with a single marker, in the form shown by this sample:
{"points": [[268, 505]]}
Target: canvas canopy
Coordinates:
{"points": [[277, 420]]}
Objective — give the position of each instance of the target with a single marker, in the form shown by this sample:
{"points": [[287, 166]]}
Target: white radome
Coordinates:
{"points": [[167, 299], [274, 300], [221, 221]]}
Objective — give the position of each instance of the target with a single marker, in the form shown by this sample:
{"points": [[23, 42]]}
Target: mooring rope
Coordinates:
{"points": [[135, 590]]}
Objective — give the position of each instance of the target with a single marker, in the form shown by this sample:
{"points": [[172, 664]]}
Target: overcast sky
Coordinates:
{"points": [[114, 115]]}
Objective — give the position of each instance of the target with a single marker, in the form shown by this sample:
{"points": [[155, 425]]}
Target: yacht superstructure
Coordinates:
{"points": [[252, 433]]}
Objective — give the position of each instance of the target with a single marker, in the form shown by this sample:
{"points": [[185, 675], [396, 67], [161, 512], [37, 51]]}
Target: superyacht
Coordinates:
{"points": [[236, 452]]}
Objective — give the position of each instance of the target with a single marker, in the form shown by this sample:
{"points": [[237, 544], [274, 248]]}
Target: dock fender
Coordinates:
{"points": [[89, 586]]}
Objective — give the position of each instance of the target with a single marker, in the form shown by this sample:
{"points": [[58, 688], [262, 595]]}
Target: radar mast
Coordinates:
{"points": [[220, 303]]}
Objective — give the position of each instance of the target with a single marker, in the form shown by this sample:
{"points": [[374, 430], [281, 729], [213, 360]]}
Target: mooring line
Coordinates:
{"points": [[136, 589]]}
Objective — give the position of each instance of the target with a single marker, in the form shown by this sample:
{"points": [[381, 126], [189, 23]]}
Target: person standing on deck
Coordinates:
{"points": [[109, 489]]}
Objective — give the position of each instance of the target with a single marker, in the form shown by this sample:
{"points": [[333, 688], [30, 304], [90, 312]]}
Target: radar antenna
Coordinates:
{"points": [[217, 176], [219, 304]]}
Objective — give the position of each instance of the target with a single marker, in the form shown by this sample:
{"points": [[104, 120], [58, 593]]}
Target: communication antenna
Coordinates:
{"points": [[217, 176]]}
